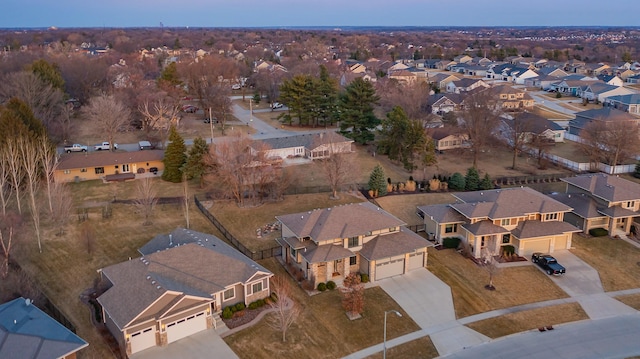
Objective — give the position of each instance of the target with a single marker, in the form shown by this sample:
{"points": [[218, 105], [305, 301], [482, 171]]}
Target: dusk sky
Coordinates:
{"points": [[335, 13]]}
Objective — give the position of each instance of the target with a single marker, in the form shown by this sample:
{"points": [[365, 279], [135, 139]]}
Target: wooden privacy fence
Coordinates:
{"points": [[273, 251]]}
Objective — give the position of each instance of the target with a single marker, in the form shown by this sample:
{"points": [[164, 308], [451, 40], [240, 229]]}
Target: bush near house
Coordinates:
{"points": [[598, 232], [508, 250], [331, 285], [364, 278], [451, 242], [322, 287]]}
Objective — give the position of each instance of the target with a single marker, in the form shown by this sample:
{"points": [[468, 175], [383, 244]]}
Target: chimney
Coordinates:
{"points": [[170, 240]]}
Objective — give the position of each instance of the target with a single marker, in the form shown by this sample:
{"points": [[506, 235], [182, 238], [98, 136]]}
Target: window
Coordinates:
{"points": [[506, 238], [67, 172], [482, 242], [630, 204], [83, 170], [353, 261], [293, 252], [229, 294], [505, 222], [99, 170], [117, 166], [353, 242], [125, 168], [451, 228], [551, 217], [256, 287]]}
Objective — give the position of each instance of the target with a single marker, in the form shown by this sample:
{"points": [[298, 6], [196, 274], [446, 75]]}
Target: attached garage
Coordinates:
{"points": [[143, 339], [560, 242], [531, 246], [389, 267], [186, 327], [416, 260]]}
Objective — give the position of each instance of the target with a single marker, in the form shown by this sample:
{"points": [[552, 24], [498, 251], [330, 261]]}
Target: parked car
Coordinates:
{"points": [[207, 120], [189, 109], [75, 148], [154, 170], [276, 105], [105, 146], [145, 145], [235, 87], [548, 264]]}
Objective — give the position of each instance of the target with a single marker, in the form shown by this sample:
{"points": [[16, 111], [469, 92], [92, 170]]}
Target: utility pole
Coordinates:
{"points": [[211, 124]]}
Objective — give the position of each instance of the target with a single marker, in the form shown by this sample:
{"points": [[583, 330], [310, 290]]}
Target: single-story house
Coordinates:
{"points": [[446, 138], [465, 85], [312, 146], [441, 103], [328, 244], [27, 332], [627, 103], [601, 114], [110, 166], [599, 91], [178, 287], [530, 125], [488, 220]]}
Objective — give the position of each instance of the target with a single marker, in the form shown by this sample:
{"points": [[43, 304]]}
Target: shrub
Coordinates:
{"points": [[558, 95], [260, 303], [598, 232], [253, 305], [227, 313], [322, 287], [364, 278], [233, 308], [457, 182], [240, 306], [508, 250], [274, 297], [451, 242], [331, 285]]}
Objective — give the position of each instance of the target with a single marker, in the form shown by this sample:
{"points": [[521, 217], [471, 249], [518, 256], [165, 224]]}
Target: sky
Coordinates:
{"points": [[334, 13]]}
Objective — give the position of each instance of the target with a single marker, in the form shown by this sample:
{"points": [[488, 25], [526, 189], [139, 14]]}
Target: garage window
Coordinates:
{"points": [[229, 293], [256, 287], [451, 228]]}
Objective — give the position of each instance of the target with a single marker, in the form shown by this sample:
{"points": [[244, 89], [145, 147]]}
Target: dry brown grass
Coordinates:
{"points": [[421, 348], [569, 150], [615, 260], [322, 330], [404, 206], [549, 113], [632, 300], [243, 222], [515, 286], [529, 319]]}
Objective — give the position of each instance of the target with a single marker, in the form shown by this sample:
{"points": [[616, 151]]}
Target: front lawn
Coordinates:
{"points": [[615, 260], [529, 319], [322, 330], [514, 286], [421, 348]]}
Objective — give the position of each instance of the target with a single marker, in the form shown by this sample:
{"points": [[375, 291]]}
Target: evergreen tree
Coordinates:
{"points": [[195, 166], [456, 182], [377, 183], [356, 107], [327, 89], [170, 76], [472, 179], [49, 73], [174, 157], [636, 173], [486, 182], [299, 94]]}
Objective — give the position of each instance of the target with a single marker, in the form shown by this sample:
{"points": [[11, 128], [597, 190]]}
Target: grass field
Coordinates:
{"points": [[421, 348], [322, 330], [529, 319], [569, 150], [514, 286]]}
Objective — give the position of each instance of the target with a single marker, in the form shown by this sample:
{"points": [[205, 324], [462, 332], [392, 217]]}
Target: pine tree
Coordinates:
{"points": [[456, 182], [486, 182], [174, 157], [472, 179], [195, 166], [377, 183], [356, 105]]}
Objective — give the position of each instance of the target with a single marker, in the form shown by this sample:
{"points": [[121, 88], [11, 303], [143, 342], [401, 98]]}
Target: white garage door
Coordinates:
{"points": [[186, 326], [142, 340], [530, 247], [560, 243], [389, 268], [416, 260]]}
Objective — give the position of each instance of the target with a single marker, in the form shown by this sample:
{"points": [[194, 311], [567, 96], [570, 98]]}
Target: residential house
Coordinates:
{"points": [[108, 166], [441, 103], [328, 244], [177, 288], [601, 201], [447, 138], [444, 64], [465, 85], [488, 220], [398, 66], [511, 98], [602, 114], [612, 80], [440, 80], [27, 332], [461, 59], [571, 87], [599, 91], [595, 69], [635, 79], [625, 74], [627, 103], [311, 146], [552, 71], [520, 74], [403, 76], [543, 82], [529, 126], [348, 77], [476, 70]]}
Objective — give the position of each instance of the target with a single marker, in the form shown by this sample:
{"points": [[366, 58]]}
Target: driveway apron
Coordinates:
{"points": [[204, 345]]}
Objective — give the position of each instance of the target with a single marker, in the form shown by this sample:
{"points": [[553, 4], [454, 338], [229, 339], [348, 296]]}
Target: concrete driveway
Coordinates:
{"points": [[204, 345]]}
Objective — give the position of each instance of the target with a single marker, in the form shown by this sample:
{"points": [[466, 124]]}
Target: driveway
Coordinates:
{"points": [[428, 301], [204, 345]]}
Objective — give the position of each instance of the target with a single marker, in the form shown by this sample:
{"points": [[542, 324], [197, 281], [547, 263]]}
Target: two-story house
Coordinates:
{"points": [[511, 98], [328, 244], [601, 201], [488, 220]]}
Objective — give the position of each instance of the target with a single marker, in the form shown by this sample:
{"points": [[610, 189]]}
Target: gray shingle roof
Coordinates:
{"points": [[442, 213], [308, 141], [27, 332], [533, 229], [582, 204], [326, 253], [484, 228], [393, 244], [339, 222], [609, 188]]}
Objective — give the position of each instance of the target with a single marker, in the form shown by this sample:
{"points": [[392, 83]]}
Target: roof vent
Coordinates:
{"points": [[148, 277], [28, 302], [159, 287], [153, 282]]}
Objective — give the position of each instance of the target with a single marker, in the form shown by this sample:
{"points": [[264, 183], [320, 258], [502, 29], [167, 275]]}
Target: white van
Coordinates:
{"points": [[145, 145]]}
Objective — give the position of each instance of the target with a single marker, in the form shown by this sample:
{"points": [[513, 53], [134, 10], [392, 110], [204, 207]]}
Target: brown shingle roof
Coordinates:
{"points": [[442, 213], [339, 222], [533, 229], [582, 204], [393, 244], [326, 253], [98, 159], [609, 188], [483, 228]]}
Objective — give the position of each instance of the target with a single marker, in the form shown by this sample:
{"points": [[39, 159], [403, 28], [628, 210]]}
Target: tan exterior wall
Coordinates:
{"points": [[239, 296], [89, 173]]}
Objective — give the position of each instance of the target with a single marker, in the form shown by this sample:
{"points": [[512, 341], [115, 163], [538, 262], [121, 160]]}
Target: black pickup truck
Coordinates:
{"points": [[548, 264]]}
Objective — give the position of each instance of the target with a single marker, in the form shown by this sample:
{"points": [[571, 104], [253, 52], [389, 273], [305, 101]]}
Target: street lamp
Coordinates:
{"points": [[384, 342]]}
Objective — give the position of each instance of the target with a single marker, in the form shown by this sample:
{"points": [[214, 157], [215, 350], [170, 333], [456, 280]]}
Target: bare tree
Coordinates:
{"points": [[109, 116], [48, 158], [611, 142], [62, 205], [339, 167], [31, 165], [6, 251], [520, 128], [147, 199], [541, 144], [159, 115], [353, 295], [489, 263], [480, 120], [5, 180], [286, 311], [12, 155]]}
